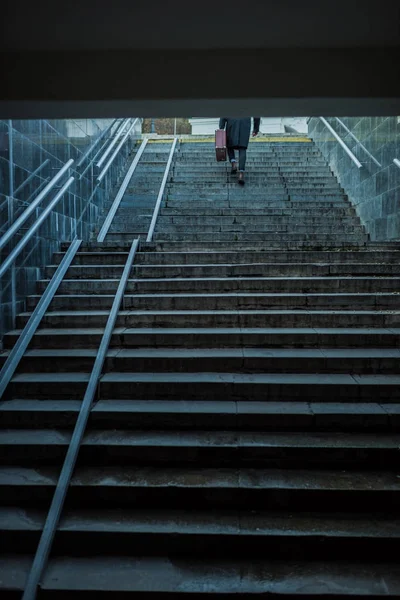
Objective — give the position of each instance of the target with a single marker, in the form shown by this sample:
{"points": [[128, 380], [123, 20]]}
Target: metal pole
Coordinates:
{"points": [[93, 146], [114, 207], [118, 148], [30, 328], [53, 516], [31, 176], [341, 142], [153, 128], [396, 162], [160, 194], [27, 213], [21, 245], [174, 126], [10, 159], [114, 141], [358, 141]]}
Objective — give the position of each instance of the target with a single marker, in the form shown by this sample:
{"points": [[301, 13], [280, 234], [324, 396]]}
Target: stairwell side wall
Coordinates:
{"points": [[374, 191]]}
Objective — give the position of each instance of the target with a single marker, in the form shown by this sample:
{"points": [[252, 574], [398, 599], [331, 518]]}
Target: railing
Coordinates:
{"points": [[341, 142], [358, 142], [118, 148], [26, 214], [31, 176], [21, 245], [30, 328], [118, 134], [117, 201], [53, 516], [161, 193], [93, 146], [32, 212]]}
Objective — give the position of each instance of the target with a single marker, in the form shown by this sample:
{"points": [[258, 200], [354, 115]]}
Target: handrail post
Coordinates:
{"points": [[341, 142], [161, 193], [53, 516]]}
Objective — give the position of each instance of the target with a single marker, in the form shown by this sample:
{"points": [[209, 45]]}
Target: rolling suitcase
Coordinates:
{"points": [[220, 144]]}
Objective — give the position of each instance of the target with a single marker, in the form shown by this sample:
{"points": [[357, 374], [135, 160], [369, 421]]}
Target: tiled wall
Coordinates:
{"points": [[373, 190], [24, 146]]}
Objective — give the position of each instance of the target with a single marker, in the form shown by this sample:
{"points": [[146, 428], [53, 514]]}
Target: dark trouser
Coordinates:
{"points": [[242, 157]]}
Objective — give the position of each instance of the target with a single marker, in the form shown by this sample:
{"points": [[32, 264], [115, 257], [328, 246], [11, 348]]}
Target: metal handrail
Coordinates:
{"points": [[341, 142], [91, 162], [396, 162], [30, 328], [118, 134], [161, 193], [117, 201], [118, 148], [21, 245], [31, 176], [358, 141], [53, 516], [93, 146], [27, 213]]}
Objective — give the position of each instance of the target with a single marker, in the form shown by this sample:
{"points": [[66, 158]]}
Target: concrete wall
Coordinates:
{"points": [[373, 190]]}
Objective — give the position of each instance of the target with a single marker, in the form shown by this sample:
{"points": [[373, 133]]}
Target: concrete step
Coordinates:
{"points": [[94, 251], [298, 490], [252, 220], [186, 300], [121, 575], [275, 387], [241, 245], [204, 337], [196, 532], [208, 415], [204, 448], [322, 239], [221, 318], [381, 274], [266, 226], [237, 197], [336, 212], [248, 360]]}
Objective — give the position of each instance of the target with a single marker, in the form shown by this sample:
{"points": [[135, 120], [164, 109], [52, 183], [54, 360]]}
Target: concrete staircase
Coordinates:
{"points": [[246, 435]]}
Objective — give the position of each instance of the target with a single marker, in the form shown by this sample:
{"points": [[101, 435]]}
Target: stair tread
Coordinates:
{"points": [[223, 522], [180, 575], [198, 478], [218, 377], [204, 407], [215, 439], [254, 352]]}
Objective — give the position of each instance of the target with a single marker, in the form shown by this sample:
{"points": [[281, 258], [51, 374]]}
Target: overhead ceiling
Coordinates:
{"points": [[180, 57], [118, 24]]}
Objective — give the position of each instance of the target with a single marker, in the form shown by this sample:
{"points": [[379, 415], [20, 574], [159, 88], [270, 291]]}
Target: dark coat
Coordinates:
{"points": [[238, 130]]}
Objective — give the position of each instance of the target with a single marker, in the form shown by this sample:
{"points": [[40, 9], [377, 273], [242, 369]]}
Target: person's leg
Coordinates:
{"points": [[232, 159], [242, 159], [242, 164]]}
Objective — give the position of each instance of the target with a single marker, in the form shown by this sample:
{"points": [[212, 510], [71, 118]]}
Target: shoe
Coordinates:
{"points": [[234, 169], [241, 178]]}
